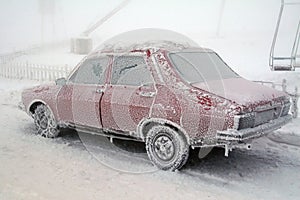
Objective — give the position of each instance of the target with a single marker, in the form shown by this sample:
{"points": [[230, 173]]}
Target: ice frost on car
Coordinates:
{"points": [[172, 97]]}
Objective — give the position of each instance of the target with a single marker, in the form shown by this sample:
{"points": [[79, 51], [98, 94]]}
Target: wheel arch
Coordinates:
{"points": [[145, 125], [34, 104]]}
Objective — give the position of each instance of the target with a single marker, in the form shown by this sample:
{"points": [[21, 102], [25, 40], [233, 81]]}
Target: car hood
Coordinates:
{"points": [[240, 90]]}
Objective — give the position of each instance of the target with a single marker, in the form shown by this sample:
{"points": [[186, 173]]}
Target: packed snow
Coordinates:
{"points": [[33, 167]]}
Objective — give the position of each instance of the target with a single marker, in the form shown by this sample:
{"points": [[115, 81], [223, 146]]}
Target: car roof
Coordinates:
{"points": [[145, 48]]}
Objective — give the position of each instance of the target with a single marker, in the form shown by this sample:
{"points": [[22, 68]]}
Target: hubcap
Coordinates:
{"points": [[164, 148]]}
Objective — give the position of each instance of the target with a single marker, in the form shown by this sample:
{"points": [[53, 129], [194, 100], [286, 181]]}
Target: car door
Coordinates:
{"points": [[129, 96], [79, 100]]}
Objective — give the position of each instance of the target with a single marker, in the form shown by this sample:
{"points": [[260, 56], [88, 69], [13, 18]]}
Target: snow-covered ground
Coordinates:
{"points": [[76, 165]]}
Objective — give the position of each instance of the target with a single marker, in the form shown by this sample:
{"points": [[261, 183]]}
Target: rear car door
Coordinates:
{"points": [[79, 100], [129, 96]]}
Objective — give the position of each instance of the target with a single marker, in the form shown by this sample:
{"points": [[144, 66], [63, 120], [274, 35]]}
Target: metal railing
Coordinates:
{"points": [[294, 96], [19, 70], [293, 57]]}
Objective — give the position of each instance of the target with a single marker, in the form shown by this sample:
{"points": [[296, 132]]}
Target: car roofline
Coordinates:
{"points": [[145, 51]]}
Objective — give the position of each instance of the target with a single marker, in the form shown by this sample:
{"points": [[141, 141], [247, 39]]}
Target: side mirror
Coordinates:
{"points": [[61, 81]]}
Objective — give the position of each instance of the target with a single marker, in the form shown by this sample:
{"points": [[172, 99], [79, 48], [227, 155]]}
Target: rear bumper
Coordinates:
{"points": [[236, 136]]}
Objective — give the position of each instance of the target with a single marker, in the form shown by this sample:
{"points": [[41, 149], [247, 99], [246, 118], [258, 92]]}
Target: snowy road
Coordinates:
{"points": [[79, 166]]}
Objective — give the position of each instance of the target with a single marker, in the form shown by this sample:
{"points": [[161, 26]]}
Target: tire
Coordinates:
{"points": [[166, 148], [45, 122]]}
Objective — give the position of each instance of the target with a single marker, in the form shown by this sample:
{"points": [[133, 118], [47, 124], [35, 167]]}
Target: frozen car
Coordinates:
{"points": [[171, 97]]}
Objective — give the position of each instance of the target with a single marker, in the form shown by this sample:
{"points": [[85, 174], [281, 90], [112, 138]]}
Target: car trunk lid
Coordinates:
{"points": [[241, 91]]}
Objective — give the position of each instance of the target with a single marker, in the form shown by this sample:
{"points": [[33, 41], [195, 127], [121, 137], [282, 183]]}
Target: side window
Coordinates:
{"points": [[130, 70], [91, 71]]}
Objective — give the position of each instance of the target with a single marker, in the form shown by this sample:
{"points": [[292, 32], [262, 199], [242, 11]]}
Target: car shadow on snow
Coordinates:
{"points": [[241, 164]]}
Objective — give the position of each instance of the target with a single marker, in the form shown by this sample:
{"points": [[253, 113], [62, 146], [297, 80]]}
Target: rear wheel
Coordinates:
{"points": [[166, 148], [45, 122]]}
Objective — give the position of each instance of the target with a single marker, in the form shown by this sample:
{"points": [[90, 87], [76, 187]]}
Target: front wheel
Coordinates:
{"points": [[166, 148], [45, 122]]}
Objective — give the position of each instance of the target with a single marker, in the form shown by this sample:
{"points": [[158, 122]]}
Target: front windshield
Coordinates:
{"points": [[197, 67]]}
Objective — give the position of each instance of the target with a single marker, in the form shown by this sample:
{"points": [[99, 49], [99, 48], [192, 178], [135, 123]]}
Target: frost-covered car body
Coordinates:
{"points": [[125, 94]]}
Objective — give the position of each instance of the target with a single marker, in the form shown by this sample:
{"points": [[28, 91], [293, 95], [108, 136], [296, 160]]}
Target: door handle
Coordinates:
{"points": [[146, 94], [99, 91]]}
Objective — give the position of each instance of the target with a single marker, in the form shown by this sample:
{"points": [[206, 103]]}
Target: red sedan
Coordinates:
{"points": [[171, 97]]}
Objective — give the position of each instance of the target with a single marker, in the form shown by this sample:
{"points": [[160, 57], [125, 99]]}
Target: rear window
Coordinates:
{"points": [[201, 66]]}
